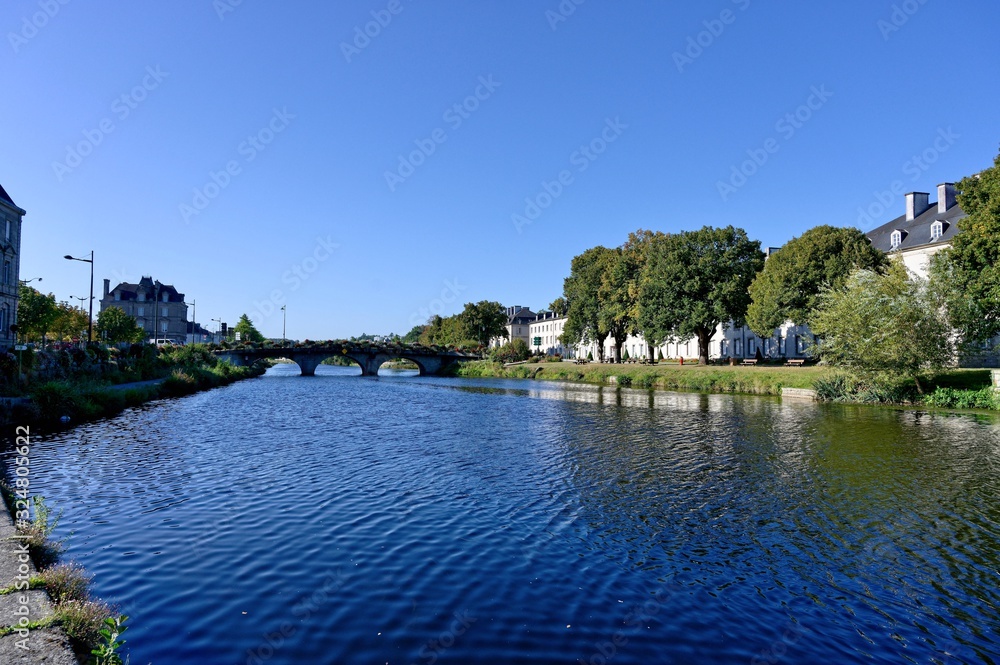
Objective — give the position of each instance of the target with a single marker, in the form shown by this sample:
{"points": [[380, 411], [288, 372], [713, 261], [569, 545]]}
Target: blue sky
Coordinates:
{"points": [[256, 153]]}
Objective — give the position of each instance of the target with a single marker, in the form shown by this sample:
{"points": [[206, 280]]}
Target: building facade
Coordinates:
{"points": [[518, 326], [159, 309], [10, 277]]}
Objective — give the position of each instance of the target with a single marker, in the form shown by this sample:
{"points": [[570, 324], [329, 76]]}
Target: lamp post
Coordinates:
{"points": [[218, 328], [90, 315], [283, 324], [194, 317], [29, 281]]}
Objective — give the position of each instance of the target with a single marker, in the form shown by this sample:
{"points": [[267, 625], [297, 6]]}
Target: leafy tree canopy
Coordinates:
{"points": [[69, 323], [115, 326], [969, 272], [695, 280], [558, 306], [483, 321], [883, 324], [35, 312], [248, 332], [581, 291], [788, 287]]}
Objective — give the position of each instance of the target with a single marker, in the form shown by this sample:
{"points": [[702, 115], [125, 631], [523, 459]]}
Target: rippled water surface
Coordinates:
{"points": [[418, 520]]}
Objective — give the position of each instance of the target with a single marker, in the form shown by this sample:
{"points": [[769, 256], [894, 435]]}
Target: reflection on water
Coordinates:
{"points": [[379, 521]]}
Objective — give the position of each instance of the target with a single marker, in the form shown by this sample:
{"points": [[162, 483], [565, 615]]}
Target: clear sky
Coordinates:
{"points": [[252, 151]]}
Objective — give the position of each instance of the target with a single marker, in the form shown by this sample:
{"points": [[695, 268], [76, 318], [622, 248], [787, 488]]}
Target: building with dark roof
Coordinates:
{"points": [[158, 308], [519, 320], [922, 231], [10, 266]]}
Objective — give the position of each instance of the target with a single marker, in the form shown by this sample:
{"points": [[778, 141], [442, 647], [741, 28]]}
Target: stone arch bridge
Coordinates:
{"points": [[369, 357]]}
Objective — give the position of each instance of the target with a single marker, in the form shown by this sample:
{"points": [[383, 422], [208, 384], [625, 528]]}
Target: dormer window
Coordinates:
{"points": [[896, 239], [937, 230]]}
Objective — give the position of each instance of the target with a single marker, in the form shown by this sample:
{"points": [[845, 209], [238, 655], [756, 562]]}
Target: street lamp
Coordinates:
{"points": [[90, 315], [29, 281], [283, 324], [194, 317], [218, 329]]}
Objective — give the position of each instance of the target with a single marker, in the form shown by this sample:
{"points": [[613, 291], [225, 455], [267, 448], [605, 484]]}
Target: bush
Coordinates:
{"points": [[65, 582], [950, 398], [512, 352]]}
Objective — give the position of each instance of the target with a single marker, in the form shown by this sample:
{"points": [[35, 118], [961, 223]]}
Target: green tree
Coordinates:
{"points": [[884, 325], [512, 352], [583, 303], [695, 280], [558, 306], [413, 336], [620, 289], [115, 326], [483, 321], [248, 332], [968, 273], [69, 323], [788, 287], [35, 312]]}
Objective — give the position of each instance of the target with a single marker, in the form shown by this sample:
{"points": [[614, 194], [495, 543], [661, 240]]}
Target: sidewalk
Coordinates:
{"points": [[43, 645]]}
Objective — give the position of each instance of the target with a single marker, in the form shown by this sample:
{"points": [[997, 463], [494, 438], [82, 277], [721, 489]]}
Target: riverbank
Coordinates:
{"points": [[960, 388], [74, 401]]}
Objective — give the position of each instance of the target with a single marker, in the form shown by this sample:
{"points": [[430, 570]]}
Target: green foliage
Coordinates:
{"points": [[106, 651], [866, 389], [558, 306], [883, 326], [512, 352], [443, 331], [968, 273], [115, 326], [414, 335], [248, 332], [483, 321], [35, 312], [951, 398], [66, 581], [789, 286], [583, 300], [69, 323], [695, 280], [36, 531], [625, 355]]}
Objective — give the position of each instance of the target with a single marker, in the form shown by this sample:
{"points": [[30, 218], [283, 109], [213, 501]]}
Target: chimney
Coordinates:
{"points": [[946, 196], [916, 205], [107, 287]]}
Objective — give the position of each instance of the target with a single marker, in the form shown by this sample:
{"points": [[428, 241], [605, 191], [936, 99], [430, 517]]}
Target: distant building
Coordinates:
{"points": [[546, 330], [159, 309], [923, 231], [10, 277], [196, 334], [518, 326]]}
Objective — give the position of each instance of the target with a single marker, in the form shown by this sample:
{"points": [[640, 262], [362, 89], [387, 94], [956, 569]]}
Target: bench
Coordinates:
{"points": [[795, 362], [748, 361], [581, 361]]}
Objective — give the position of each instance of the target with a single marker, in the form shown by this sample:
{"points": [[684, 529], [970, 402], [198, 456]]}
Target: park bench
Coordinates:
{"points": [[795, 362], [581, 361], [748, 361]]}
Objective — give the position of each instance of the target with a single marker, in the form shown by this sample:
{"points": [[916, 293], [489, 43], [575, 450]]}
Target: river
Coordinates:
{"points": [[412, 519]]}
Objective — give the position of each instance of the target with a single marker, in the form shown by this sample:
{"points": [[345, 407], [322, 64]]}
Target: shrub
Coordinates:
{"points": [[66, 582], [516, 351], [952, 398]]}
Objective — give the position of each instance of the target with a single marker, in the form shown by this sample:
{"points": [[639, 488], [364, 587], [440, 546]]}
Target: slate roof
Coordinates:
{"points": [[147, 285], [522, 316], [917, 233], [6, 197]]}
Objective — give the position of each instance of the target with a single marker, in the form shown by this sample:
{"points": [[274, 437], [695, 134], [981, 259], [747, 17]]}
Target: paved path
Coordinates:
{"points": [[138, 384], [44, 645]]}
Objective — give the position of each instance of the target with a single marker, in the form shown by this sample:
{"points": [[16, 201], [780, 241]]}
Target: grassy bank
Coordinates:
{"points": [[949, 389], [80, 400]]}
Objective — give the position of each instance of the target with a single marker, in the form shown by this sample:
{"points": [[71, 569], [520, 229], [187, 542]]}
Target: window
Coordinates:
{"points": [[141, 297], [163, 312], [6, 272], [781, 346], [141, 311], [7, 231], [937, 230], [751, 347], [163, 326], [895, 239], [118, 295], [3, 319], [165, 296], [800, 345]]}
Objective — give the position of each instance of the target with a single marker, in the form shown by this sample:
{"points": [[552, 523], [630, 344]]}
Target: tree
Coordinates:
{"points": [[413, 336], [969, 271], [115, 326], [884, 325], [444, 331], [620, 289], [512, 352], [35, 312], [788, 287], [695, 280], [583, 303], [70, 322], [483, 321], [248, 332], [558, 306]]}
